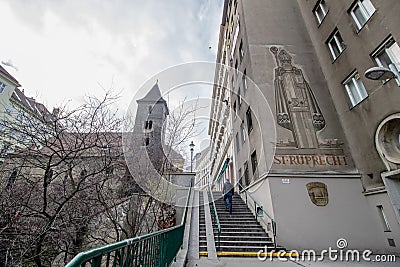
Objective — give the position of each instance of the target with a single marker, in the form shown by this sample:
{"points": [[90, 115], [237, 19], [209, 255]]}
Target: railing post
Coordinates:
{"points": [[274, 232]]}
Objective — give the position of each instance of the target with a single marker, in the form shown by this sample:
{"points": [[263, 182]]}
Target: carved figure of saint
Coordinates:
{"points": [[296, 106]]}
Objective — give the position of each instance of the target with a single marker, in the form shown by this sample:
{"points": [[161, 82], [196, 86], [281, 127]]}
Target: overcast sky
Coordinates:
{"points": [[65, 49]]}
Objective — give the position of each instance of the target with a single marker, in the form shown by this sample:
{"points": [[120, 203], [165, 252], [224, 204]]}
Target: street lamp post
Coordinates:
{"points": [[191, 156]]}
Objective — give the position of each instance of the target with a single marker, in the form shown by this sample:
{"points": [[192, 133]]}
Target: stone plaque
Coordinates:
{"points": [[318, 193]]}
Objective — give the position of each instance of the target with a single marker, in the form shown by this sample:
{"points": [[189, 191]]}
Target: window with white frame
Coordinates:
{"points": [[336, 44], [2, 87], [361, 12], [388, 56], [320, 10], [355, 88]]}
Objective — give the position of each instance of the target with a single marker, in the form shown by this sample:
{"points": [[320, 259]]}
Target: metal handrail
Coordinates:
{"points": [[216, 218], [153, 249], [273, 222]]}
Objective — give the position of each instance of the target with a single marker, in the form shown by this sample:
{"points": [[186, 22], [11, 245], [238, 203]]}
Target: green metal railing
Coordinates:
{"points": [[154, 249], [271, 225], [215, 217]]}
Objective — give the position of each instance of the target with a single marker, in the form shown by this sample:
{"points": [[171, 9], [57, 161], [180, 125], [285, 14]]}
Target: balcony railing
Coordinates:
{"points": [[154, 249]]}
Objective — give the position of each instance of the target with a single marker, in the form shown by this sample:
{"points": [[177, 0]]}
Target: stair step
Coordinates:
{"points": [[240, 234], [242, 230], [244, 238], [247, 248]]}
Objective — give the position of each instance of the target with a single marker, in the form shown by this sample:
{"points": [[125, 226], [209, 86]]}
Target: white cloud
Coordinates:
{"points": [[65, 49]]}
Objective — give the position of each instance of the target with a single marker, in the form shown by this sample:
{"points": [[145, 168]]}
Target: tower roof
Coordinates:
{"points": [[154, 97]]}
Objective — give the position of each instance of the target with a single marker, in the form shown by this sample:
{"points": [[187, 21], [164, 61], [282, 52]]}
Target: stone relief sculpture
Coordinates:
{"points": [[296, 106], [318, 193]]}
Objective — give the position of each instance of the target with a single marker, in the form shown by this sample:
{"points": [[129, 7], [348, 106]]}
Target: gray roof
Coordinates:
{"points": [[32, 106], [8, 75], [154, 96]]}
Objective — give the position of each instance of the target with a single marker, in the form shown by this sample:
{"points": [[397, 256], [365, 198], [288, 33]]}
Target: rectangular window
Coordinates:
{"points": [[388, 56], [249, 120], [243, 132], [361, 12], [237, 142], [320, 10], [239, 97], [355, 88], [9, 109], [246, 174], [244, 80], [336, 44], [382, 216], [254, 163], [2, 87], [241, 51]]}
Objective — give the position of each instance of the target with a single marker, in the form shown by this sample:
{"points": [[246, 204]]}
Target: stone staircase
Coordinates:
{"points": [[240, 231]]}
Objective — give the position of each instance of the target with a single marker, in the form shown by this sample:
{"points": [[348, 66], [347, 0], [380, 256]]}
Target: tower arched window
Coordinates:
{"points": [[146, 141], [148, 125]]}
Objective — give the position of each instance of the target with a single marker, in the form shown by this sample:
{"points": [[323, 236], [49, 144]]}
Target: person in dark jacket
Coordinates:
{"points": [[227, 192]]}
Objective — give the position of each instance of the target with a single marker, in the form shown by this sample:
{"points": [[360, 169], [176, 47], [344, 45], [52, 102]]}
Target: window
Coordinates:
{"points": [[388, 56], [146, 141], [233, 81], [236, 65], [355, 88], [234, 109], [244, 80], [148, 125], [361, 12], [246, 174], [9, 109], [83, 173], [254, 163], [243, 132], [2, 87], [382, 216], [320, 11], [241, 51], [11, 179], [20, 115], [237, 141], [336, 44], [249, 120], [239, 97]]}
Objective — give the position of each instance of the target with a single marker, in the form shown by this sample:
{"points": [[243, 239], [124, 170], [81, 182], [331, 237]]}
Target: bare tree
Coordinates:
{"points": [[49, 194], [66, 186]]}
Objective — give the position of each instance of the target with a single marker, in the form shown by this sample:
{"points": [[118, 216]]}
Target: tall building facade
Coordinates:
{"points": [[306, 153]]}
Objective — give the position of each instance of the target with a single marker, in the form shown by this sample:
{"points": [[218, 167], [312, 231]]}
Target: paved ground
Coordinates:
{"points": [[246, 262]]}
